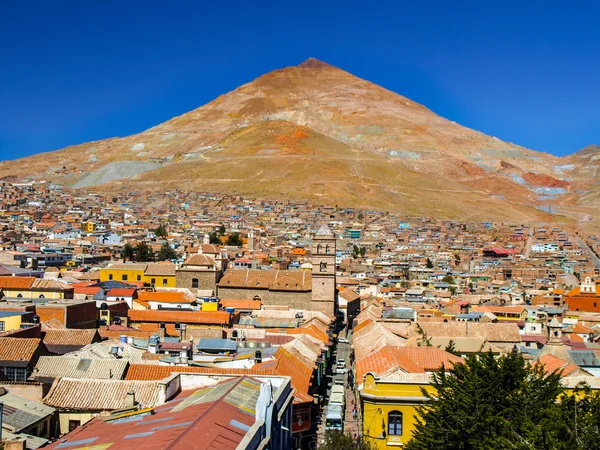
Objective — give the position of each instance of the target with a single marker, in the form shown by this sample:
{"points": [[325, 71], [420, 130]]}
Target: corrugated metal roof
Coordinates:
{"points": [[20, 413], [216, 344]]}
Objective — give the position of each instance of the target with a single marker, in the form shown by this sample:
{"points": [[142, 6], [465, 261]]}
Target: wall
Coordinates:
{"points": [[160, 280], [11, 322], [64, 417], [117, 275], [295, 300], [207, 280]]}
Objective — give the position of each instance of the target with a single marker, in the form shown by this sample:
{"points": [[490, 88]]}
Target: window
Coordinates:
{"points": [[139, 278], [124, 277], [15, 373], [194, 283], [110, 276], [2, 325], [323, 266], [395, 423], [42, 296], [164, 281], [153, 281], [74, 424], [20, 296]]}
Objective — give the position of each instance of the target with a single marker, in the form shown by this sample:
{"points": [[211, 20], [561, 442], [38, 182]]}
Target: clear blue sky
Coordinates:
{"points": [[70, 72]]}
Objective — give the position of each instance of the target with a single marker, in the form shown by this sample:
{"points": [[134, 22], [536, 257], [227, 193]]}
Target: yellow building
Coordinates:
{"points": [[10, 320], [389, 407], [29, 288], [88, 227], [389, 378], [156, 274]]}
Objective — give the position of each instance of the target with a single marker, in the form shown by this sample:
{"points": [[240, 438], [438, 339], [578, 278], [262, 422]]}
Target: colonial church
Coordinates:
{"points": [[314, 291], [585, 297]]}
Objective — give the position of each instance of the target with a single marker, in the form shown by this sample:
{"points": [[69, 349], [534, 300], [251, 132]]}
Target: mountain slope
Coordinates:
{"points": [[316, 131]]}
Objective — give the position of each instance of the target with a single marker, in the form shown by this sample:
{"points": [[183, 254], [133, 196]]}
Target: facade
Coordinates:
{"points": [[198, 272]]}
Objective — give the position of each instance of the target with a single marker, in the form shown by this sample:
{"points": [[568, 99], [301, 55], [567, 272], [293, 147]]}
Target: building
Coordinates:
{"points": [[271, 287], [200, 412], [11, 320], [18, 356], [198, 272], [70, 313], [585, 297]]}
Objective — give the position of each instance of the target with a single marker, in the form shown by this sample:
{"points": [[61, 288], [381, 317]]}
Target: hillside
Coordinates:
{"points": [[315, 131]]}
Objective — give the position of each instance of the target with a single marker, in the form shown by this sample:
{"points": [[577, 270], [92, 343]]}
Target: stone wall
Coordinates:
{"points": [[293, 299]]}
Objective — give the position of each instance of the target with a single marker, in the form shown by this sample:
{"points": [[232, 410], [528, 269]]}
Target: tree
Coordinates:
{"points": [[336, 440], [490, 402], [429, 264], [222, 230], [166, 252], [456, 259], [451, 347], [355, 251], [448, 279], [363, 252], [234, 240], [213, 238], [425, 340], [128, 252], [361, 216], [161, 231], [143, 252]]}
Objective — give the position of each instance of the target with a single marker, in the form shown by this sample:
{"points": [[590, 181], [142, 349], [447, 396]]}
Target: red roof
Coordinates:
{"points": [[188, 317], [121, 292], [502, 251], [203, 418]]}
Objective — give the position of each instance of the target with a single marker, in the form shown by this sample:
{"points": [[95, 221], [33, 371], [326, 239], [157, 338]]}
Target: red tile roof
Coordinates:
{"points": [[188, 317], [18, 349]]}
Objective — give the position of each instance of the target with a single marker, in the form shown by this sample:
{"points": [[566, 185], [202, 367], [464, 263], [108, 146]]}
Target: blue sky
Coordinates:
{"points": [[71, 72]]}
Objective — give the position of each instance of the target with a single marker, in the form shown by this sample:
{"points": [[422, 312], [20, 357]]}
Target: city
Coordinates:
{"points": [[337, 311]]}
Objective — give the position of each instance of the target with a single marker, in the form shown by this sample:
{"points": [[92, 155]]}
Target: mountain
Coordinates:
{"points": [[317, 132]]}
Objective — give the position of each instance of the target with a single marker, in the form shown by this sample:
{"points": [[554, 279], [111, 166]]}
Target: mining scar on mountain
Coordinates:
{"points": [[115, 171]]}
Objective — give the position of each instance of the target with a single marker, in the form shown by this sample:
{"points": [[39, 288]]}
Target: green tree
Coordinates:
{"points": [[355, 251], [213, 238], [336, 440], [451, 347], [424, 341], [161, 231], [363, 252], [429, 264], [234, 240], [128, 252], [222, 230], [361, 216], [166, 252], [490, 402], [448, 279], [143, 252]]}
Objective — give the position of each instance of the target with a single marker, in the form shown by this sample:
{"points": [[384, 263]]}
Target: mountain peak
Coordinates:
{"points": [[314, 63]]}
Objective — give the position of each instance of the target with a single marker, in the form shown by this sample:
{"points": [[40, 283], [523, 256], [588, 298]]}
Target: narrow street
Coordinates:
{"points": [[351, 422]]}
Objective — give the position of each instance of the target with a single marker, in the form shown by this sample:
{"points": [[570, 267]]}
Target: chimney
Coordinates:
{"points": [[182, 331], [131, 399]]}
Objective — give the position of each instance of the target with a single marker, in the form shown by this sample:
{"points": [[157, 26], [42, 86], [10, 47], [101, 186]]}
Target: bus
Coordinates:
{"points": [[334, 419]]}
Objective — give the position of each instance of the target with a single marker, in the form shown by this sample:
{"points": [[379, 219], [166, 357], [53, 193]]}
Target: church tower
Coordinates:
{"points": [[323, 271]]}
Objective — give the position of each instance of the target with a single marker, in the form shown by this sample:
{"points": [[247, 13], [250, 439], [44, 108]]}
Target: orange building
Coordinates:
{"points": [[585, 297]]}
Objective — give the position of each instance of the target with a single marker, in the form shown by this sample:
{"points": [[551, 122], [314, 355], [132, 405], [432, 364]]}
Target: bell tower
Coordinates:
{"points": [[323, 271]]}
